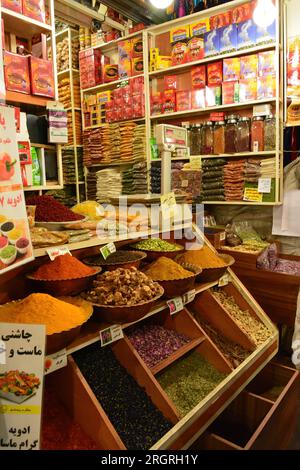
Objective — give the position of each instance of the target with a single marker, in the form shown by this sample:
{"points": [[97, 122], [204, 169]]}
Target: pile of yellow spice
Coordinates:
{"points": [[203, 258], [165, 269]]}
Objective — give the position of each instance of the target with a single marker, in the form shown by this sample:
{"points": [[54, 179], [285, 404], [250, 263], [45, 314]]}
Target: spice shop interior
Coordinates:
{"points": [[150, 230]]}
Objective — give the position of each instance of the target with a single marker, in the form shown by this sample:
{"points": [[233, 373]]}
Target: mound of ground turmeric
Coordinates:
{"points": [[165, 269], [203, 258]]}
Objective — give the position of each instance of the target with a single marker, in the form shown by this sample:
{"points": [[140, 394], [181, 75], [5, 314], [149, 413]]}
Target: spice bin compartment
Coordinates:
{"points": [[231, 290]]}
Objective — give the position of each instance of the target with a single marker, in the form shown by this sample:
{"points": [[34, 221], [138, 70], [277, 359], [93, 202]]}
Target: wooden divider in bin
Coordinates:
{"points": [[84, 408], [210, 441], [212, 354], [206, 307], [135, 366]]}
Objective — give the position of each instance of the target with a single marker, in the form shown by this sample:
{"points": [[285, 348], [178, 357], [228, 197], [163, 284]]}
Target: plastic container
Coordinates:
{"points": [[219, 138], [270, 133], [257, 134], [195, 139], [243, 135], [231, 136], [207, 147]]}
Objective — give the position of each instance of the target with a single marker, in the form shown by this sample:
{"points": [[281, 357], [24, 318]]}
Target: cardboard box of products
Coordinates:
{"points": [[14, 5], [246, 34], [16, 72], [34, 9], [41, 77], [231, 69], [212, 43]]}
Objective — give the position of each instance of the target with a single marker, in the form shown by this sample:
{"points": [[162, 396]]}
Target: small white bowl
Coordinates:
{"points": [[22, 250], [10, 260]]}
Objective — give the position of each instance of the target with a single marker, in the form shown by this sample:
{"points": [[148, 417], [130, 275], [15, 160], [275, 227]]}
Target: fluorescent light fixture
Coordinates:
{"points": [[161, 4], [264, 13]]}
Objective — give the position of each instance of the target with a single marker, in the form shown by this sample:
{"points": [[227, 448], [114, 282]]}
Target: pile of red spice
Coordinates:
{"points": [[63, 267], [59, 432], [49, 209]]}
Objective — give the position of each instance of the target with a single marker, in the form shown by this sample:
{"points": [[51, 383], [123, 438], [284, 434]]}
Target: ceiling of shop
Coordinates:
{"points": [[138, 10]]}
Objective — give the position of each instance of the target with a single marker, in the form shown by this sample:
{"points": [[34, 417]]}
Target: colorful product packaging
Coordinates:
{"points": [[169, 101], [181, 33], [249, 66], [266, 63], [230, 92], [195, 49], [231, 69], [228, 38], [124, 68], [265, 35], [103, 97], [170, 82], [213, 96], [137, 85], [156, 103], [200, 27], [248, 90], [90, 68], [154, 53], [14, 5], [243, 12], [163, 62], [179, 53], [212, 43], [138, 105], [266, 87], [16, 72], [137, 47], [223, 19], [34, 9], [125, 49], [41, 77], [110, 73], [198, 77], [246, 34], [183, 100], [215, 73], [137, 66], [198, 98]]}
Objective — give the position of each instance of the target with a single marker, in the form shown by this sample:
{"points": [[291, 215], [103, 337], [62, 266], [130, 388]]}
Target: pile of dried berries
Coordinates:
{"points": [[138, 422], [189, 380], [256, 330], [154, 343], [235, 353]]}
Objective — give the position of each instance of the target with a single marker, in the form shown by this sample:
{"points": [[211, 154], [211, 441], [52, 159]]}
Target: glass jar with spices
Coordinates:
{"points": [[219, 137], [257, 134], [195, 139], [243, 135], [270, 133], [230, 136], [207, 146]]}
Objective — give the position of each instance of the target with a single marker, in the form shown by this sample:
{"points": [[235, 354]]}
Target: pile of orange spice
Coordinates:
{"points": [[63, 267], [203, 258]]}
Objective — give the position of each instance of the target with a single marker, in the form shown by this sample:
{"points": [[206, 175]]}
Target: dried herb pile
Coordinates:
{"points": [[189, 380], [138, 422]]}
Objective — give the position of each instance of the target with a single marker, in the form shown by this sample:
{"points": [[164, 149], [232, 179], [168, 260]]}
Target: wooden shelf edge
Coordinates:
{"points": [[14, 96]]}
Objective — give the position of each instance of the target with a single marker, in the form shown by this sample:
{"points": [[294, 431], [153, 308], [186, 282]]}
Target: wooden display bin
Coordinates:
{"points": [[256, 419]]}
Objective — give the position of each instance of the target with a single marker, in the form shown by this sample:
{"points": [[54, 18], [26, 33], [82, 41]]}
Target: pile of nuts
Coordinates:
{"points": [[62, 54]]}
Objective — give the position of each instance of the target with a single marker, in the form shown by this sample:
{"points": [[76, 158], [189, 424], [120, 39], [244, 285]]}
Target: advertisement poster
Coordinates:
{"points": [[2, 83], [22, 353], [293, 64], [15, 243]]}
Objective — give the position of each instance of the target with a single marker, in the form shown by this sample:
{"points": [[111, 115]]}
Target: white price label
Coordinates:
{"points": [[224, 280], [264, 185], [184, 183], [110, 335], [188, 297], [222, 236], [168, 203], [58, 251], [175, 305], [108, 249], [56, 361], [195, 162]]}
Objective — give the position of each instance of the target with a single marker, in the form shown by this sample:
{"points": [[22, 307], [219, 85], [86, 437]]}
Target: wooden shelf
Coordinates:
{"points": [[114, 43], [42, 188], [22, 25], [65, 73], [15, 97], [240, 155], [44, 146], [103, 86]]}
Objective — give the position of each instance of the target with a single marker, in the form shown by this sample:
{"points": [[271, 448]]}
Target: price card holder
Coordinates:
{"points": [[264, 185], [168, 203], [188, 296], [110, 335], [195, 162], [56, 361], [57, 251], [224, 280], [175, 305], [108, 249]]}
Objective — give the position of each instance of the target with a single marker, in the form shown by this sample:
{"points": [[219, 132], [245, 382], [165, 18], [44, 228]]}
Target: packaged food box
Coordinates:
{"points": [[198, 98], [246, 34], [198, 76], [154, 53], [228, 38], [183, 100], [212, 43], [181, 33], [34, 9], [265, 35], [14, 5], [220, 20], [41, 77], [156, 103], [230, 92], [213, 96], [170, 82], [163, 62], [103, 97], [124, 68], [248, 90], [127, 113], [243, 12], [110, 73], [137, 66], [266, 87], [231, 69], [249, 66], [137, 85], [215, 73], [16, 72], [200, 27], [137, 47], [179, 53], [90, 67], [195, 49], [125, 49], [138, 105], [266, 63], [169, 101]]}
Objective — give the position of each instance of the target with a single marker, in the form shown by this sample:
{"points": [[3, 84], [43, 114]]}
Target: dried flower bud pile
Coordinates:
{"points": [[138, 422], [154, 343], [256, 330], [123, 287], [189, 380]]}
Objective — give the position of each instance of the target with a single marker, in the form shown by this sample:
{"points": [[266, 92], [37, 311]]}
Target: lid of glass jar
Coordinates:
{"points": [[208, 123], [270, 116], [231, 121], [220, 123], [244, 119], [257, 118], [198, 125], [233, 116]]}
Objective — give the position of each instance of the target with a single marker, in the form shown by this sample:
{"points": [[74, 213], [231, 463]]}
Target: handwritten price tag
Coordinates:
{"points": [[108, 249], [195, 162], [264, 185], [58, 251], [175, 305], [110, 335], [188, 297], [56, 361]]}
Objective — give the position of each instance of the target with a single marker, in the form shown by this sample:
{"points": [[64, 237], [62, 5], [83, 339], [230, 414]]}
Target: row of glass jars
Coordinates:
{"points": [[236, 135]]}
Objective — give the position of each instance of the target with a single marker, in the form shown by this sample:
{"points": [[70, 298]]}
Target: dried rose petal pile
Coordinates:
{"points": [[154, 343]]}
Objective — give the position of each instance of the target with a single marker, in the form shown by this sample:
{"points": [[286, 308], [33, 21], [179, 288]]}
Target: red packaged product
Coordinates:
{"points": [[156, 103], [14, 5], [137, 66], [137, 85], [16, 72], [138, 105], [90, 68], [34, 9], [198, 98], [179, 53], [137, 47], [110, 73], [215, 73], [183, 100], [42, 78], [195, 49], [243, 12], [169, 101], [170, 82], [128, 112], [198, 75], [223, 19], [230, 92]]}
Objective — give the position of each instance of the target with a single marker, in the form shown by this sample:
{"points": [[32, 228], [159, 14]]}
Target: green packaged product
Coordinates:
{"points": [[36, 171]]}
